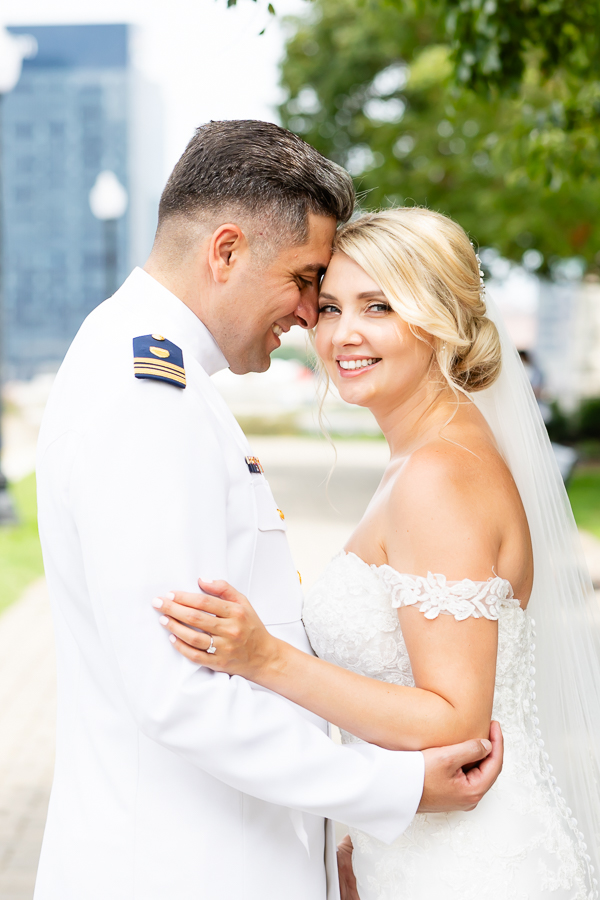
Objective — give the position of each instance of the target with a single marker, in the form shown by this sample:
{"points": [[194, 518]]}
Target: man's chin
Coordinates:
{"points": [[243, 367]]}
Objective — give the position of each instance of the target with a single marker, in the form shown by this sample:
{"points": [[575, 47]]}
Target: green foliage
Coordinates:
{"points": [[589, 419], [584, 494], [20, 552], [373, 85], [560, 427], [493, 40]]}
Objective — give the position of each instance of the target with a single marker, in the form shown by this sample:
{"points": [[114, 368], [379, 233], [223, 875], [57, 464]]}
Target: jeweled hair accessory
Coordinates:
{"points": [[480, 267]]}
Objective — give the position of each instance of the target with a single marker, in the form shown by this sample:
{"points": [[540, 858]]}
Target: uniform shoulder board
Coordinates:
{"points": [[156, 357]]}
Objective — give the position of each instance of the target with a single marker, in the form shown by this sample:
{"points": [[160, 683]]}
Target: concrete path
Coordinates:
{"points": [[27, 714], [319, 515]]}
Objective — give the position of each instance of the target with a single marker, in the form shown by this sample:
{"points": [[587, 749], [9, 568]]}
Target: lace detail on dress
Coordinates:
{"points": [[462, 599], [522, 842]]}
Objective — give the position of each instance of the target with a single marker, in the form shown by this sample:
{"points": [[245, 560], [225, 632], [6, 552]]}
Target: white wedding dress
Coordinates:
{"points": [[522, 842]]}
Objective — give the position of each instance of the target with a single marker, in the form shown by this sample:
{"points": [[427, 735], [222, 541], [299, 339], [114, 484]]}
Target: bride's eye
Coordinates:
{"points": [[380, 307], [328, 308]]}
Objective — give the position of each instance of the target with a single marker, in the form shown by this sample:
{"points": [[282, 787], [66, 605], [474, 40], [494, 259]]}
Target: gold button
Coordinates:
{"points": [[281, 515], [158, 351], [157, 337], [299, 577]]}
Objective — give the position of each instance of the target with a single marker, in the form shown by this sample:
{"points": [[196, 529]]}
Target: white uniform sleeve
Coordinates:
{"points": [[149, 492]]}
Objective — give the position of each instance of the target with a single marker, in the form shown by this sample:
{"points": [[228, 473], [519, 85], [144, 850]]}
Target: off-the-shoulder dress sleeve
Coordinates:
{"points": [[462, 599]]}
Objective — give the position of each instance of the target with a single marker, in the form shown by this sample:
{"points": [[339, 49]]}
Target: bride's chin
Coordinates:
{"points": [[354, 400]]}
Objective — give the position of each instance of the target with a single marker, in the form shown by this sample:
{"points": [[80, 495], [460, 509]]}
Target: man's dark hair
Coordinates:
{"points": [[259, 169]]}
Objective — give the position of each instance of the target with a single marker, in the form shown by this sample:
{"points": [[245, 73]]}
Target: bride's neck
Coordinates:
{"points": [[408, 423]]}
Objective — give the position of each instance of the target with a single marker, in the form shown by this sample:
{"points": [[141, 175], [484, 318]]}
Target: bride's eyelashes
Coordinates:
{"points": [[379, 307], [328, 308]]}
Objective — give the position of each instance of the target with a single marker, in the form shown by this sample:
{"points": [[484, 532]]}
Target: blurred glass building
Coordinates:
{"points": [[79, 108]]}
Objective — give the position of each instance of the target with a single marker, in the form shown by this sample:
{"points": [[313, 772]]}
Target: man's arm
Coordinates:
{"points": [[149, 495]]}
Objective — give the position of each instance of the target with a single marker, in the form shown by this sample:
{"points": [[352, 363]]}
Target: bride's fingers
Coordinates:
{"points": [[192, 617], [221, 589], [204, 609], [200, 657], [218, 606], [199, 640]]}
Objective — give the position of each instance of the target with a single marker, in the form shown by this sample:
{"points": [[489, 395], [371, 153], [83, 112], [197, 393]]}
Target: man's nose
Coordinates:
{"points": [[307, 311]]}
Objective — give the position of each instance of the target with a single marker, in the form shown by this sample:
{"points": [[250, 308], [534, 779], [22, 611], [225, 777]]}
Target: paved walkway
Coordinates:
{"points": [[27, 714]]}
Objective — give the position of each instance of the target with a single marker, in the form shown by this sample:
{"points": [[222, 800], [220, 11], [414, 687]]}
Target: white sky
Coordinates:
{"points": [[209, 62]]}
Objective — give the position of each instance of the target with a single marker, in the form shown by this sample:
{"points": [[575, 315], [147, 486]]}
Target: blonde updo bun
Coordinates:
{"points": [[427, 268]]}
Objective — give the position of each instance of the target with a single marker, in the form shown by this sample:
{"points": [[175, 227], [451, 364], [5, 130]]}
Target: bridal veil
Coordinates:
{"points": [[563, 604]]}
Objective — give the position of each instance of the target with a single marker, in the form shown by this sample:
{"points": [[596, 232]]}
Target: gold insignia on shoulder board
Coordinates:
{"points": [[157, 337], [281, 515], [158, 351]]}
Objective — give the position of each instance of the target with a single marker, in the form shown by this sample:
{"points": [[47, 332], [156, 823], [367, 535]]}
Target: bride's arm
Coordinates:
{"points": [[451, 704], [453, 662]]}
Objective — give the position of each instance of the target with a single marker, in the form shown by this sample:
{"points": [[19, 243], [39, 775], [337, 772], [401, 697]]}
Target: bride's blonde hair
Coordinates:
{"points": [[428, 270]]}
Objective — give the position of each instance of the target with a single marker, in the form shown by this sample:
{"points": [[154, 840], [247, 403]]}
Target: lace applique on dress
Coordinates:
{"points": [[522, 842], [462, 599]]}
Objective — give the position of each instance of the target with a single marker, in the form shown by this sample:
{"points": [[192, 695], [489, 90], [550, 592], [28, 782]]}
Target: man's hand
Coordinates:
{"points": [[348, 889], [448, 786]]}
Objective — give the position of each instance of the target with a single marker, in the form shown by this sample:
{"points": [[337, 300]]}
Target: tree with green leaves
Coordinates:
{"points": [[375, 86]]}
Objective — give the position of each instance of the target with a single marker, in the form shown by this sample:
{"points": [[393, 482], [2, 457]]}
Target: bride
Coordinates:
{"points": [[423, 624]]}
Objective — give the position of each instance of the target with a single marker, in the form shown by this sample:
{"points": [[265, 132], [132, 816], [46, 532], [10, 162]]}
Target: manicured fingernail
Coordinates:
{"points": [[164, 620], [172, 638], [157, 603], [487, 745], [169, 596]]}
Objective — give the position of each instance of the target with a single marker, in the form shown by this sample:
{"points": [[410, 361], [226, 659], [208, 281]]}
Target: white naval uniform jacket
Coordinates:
{"points": [[173, 782]]}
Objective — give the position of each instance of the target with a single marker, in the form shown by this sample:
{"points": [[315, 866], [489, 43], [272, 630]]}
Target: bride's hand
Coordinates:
{"points": [[240, 642]]}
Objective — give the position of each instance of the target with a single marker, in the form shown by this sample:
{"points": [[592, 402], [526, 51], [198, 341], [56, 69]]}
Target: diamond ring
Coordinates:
{"points": [[211, 647]]}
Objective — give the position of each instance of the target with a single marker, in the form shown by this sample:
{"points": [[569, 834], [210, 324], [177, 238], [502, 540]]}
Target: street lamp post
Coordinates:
{"points": [[108, 202], [13, 50]]}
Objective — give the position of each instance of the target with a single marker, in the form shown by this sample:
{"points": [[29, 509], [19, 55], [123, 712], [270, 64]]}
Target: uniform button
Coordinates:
{"points": [[281, 515], [157, 337]]}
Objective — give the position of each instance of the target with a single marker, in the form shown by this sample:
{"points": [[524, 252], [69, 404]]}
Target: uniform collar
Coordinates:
{"points": [[184, 326]]}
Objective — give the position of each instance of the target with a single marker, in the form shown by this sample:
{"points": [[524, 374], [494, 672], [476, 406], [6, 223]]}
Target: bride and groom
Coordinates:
{"points": [[175, 779]]}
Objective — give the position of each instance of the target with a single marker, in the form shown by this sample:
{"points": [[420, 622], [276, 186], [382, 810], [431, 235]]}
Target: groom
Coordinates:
{"points": [[173, 782]]}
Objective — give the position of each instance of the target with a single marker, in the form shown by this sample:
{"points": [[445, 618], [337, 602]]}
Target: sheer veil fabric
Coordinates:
{"points": [[563, 605]]}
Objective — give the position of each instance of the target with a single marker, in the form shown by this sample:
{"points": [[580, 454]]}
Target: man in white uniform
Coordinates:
{"points": [[172, 781]]}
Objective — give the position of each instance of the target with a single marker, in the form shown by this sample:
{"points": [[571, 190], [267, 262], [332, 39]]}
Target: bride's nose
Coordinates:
{"points": [[347, 332]]}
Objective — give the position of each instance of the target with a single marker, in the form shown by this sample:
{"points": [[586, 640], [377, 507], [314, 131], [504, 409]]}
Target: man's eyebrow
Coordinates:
{"points": [[314, 267]]}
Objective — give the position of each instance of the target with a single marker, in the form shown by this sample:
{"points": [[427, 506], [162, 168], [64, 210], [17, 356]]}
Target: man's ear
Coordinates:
{"points": [[226, 247]]}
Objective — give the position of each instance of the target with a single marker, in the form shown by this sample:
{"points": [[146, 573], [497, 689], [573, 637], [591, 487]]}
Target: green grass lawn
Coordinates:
{"points": [[20, 553], [584, 493]]}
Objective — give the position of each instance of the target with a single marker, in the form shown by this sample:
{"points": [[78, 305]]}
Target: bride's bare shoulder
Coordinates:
{"points": [[446, 508]]}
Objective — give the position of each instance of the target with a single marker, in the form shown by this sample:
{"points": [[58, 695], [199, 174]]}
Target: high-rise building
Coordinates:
{"points": [[79, 108]]}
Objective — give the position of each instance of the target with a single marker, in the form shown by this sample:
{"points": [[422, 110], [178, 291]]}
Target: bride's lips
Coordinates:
{"points": [[373, 361]]}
